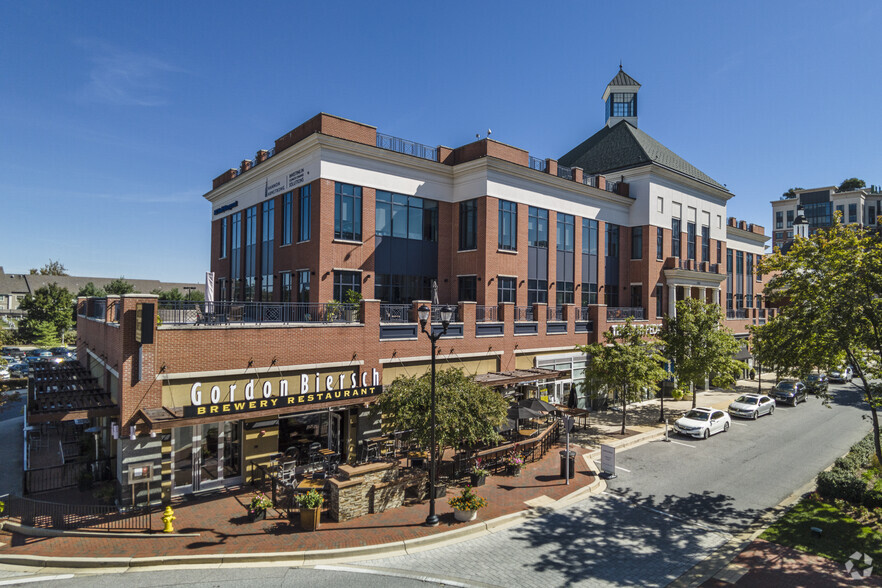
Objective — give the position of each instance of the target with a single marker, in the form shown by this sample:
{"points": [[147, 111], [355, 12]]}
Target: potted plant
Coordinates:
{"points": [[310, 509], [259, 503], [514, 462], [478, 474], [466, 505]]}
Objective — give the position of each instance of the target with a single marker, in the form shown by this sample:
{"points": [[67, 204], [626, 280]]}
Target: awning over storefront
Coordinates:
{"points": [[495, 379], [65, 392]]}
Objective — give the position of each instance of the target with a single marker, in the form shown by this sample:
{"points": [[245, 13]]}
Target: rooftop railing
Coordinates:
{"points": [[564, 172], [612, 187], [224, 313], [589, 180], [538, 164], [407, 147], [395, 313]]}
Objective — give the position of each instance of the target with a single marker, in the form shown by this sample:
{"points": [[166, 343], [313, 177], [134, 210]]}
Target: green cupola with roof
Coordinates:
{"points": [[620, 97]]}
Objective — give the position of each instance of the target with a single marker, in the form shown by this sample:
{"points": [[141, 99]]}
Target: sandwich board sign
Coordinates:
{"points": [[608, 460]]}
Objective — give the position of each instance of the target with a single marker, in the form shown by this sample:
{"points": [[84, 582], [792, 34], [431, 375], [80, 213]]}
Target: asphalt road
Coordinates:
{"points": [[671, 505]]}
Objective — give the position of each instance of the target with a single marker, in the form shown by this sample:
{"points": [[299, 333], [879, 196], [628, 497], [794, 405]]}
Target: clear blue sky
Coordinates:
{"points": [[116, 116]]}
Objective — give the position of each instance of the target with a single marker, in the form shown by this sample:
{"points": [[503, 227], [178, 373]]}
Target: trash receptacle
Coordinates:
{"points": [[563, 464]]}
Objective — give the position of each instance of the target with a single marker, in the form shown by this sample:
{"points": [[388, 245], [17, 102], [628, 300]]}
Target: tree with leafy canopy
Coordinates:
{"points": [[90, 289], [829, 287], [790, 194], [53, 268], [787, 351], [699, 345], [627, 363], [851, 184], [51, 305], [119, 286], [175, 294], [467, 413]]}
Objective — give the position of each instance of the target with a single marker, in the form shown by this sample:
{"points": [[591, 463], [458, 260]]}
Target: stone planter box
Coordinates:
{"points": [[464, 515]]}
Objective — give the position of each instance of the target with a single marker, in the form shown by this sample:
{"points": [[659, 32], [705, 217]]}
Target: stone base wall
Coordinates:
{"points": [[369, 489]]}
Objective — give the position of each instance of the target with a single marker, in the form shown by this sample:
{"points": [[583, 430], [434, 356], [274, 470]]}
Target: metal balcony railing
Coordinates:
{"points": [[538, 164], [523, 313], [395, 313], [589, 180], [624, 312], [554, 313], [486, 314], [221, 313], [565, 172], [582, 314], [612, 187], [436, 313]]}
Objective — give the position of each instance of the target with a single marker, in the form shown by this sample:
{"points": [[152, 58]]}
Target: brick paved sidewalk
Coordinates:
{"points": [[765, 564], [224, 527]]}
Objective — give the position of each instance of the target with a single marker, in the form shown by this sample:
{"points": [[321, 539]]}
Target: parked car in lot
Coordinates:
{"points": [[842, 375], [34, 355], [15, 352], [18, 370], [4, 373], [702, 422], [789, 391], [816, 383], [752, 406]]}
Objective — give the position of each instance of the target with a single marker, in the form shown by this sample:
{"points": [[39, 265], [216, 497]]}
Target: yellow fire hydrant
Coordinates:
{"points": [[168, 517]]}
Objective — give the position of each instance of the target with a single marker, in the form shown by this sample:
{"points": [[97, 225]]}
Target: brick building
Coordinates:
{"points": [[818, 205], [536, 255]]}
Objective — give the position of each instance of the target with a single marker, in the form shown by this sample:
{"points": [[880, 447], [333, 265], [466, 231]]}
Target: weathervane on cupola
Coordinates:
{"points": [[620, 98]]}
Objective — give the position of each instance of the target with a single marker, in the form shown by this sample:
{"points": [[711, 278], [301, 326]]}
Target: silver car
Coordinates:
{"points": [[752, 406]]}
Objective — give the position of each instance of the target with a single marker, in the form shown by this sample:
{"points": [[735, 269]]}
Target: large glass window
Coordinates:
{"points": [[719, 252], [468, 289], [537, 291], [287, 218], [748, 282], [705, 244], [730, 280], [406, 217], [690, 240], [589, 236], [285, 286], [623, 104], [759, 276], [223, 237], [637, 243], [789, 218], [564, 293], [303, 286], [266, 250], [566, 227], [304, 231], [468, 225], [739, 279], [659, 301], [852, 213], [675, 237], [402, 289], [537, 227], [236, 257], [612, 240], [779, 219], [508, 225], [345, 281], [589, 293], [506, 289], [347, 212], [250, 253], [840, 208]]}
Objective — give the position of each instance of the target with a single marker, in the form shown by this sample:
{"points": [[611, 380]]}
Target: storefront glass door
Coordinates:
{"points": [[206, 456], [334, 432]]}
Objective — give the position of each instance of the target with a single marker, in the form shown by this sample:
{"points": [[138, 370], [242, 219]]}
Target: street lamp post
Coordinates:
{"points": [[446, 315]]}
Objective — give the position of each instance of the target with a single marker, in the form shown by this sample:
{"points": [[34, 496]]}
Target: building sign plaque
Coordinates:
{"points": [[271, 402]]}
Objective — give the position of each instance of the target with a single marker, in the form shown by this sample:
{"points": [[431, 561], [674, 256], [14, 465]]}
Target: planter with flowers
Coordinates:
{"points": [[310, 509], [479, 473], [514, 462], [466, 505], [259, 503]]}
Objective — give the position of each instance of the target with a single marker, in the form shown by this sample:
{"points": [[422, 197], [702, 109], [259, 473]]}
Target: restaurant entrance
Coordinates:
{"points": [[311, 437], [206, 456]]}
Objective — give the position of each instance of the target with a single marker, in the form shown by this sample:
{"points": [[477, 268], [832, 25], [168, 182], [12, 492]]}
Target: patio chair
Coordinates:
{"points": [[314, 457]]}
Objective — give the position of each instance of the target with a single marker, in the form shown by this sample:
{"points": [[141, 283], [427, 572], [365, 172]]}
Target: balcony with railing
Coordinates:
{"points": [[486, 314], [564, 172], [538, 164], [413, 148], [255, 313], [554, 313], [622, 313], [396, 313], [523, 313]]}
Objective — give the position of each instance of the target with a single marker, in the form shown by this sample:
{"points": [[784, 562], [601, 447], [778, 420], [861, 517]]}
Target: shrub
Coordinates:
{"points": [[873, 498], [467, 500], [310, 500], [842, 484]]}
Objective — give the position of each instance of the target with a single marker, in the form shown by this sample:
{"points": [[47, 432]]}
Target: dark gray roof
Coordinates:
{"points": [[624, 146], [623, 79]]}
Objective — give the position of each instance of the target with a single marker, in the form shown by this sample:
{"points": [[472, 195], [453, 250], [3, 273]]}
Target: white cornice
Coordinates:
{"points": [[746, 235], [679, 277]]}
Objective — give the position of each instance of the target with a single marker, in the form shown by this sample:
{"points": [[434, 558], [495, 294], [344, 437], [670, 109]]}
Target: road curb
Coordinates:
{"points": [[27, 531]]}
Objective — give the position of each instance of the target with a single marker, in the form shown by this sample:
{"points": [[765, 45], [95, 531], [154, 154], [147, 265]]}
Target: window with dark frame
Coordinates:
{"points": [[251, 253], [719, 252], [285, 287], [506, 289], [779, 219], [637, 243], [589, 236], [236, 257], [303, 286], [287, 217], [789, 218], [267, 247], [345, 281], [659, 243], [305, 232], [852, 213], [347, 212], [659, 301], [406, 217], [223, 236], [508, 225], [566, 227], [612, 240], [537, 292], [705, 243], [690, 241], [537, 227], [468, 225], [564, 293], [468, 288], [675, 237], [589, 294]]}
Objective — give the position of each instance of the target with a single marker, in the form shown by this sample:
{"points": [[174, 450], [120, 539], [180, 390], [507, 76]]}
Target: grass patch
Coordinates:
{"points": [[842, 535]]}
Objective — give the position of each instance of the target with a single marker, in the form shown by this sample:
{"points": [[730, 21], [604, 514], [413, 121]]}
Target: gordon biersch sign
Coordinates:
{"points": [[282, 401]]}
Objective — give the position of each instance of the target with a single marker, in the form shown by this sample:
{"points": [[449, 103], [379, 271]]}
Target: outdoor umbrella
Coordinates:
{"points": [[537, 405], [521, 412], [572, 402], [508, 425]]}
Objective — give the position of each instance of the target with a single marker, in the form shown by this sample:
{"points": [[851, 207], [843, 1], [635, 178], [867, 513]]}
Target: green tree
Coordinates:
{"points": [[50, 304], [53, 268], [851, 184], [828, 287], [173, 294], [627, 363], [467, 413], [119, 286], [41, 333], [790, 194], [91, 289], [699, 346]]}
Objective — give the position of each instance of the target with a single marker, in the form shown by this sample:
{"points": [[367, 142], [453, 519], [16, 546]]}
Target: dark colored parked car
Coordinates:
{"points": [[816, 383], [789, 391], [12, 352]]}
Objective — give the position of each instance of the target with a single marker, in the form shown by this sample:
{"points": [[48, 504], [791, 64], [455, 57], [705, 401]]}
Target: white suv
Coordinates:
{"points": [[841, 375]]}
